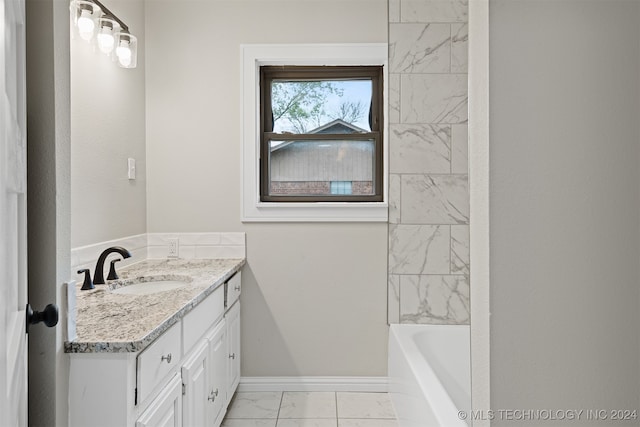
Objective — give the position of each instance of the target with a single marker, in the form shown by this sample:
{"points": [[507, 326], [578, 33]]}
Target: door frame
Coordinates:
{"points": [[479, 202], [48, 205]]}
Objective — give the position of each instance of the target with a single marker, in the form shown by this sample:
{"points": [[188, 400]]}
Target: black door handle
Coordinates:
{"points": [[49, 316]]}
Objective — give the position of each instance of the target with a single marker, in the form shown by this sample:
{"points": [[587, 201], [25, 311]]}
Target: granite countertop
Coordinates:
{"points": [[114, 323]]}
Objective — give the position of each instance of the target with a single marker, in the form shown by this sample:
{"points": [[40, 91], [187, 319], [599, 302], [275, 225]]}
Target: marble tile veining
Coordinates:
{"points": [[434, 299], [394, 198], [307, 422], [394, 10], [459, 47], [394, 98], [433, 98], [366, 422], [110, 322], [459, 149], [419, 249], [460, 249], [419, 148], [238, 422], [364, 405], [308, 405], [254, 405], [435, 199], [393, 299], [419, 48], [434, 10]]}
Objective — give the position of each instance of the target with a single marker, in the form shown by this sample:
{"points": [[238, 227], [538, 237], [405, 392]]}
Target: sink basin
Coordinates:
{"points": [[146, 288]]}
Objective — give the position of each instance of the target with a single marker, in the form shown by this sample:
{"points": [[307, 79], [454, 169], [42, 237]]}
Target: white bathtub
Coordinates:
{"points": [[429, 374]]}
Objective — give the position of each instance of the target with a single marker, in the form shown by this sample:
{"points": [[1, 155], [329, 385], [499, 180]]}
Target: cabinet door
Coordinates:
{"points": [[166, 409], [195, 378], [218, 378], [233, 340]]}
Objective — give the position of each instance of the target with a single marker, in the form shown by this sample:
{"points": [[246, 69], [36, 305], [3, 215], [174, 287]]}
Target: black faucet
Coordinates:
{"points": [[98, 275]]}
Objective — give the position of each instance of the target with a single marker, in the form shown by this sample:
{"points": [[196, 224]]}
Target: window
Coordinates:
{"points": [[325, 207], [341, 187], [321, 129]]}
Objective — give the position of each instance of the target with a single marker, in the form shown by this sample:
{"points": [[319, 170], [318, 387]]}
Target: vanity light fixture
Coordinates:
{"points": [[113, 38]]}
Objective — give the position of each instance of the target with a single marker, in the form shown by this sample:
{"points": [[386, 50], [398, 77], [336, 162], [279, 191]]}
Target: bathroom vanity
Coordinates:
{"points": [[157, 358]]}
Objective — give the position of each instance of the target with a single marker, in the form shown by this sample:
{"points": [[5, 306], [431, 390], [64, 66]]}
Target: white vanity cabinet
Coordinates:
{"points": [[166, 410], [233, 338], [186, 377]]}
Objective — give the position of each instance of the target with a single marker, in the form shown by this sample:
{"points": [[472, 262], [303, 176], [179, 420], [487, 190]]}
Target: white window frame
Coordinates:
{"points": [[253, 57]]}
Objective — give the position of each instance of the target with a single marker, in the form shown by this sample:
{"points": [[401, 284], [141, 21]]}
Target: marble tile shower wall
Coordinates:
{"points": [[428, 183]]}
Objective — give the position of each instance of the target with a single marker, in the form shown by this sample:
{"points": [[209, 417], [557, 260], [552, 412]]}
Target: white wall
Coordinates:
{"points": [[314, 296], [565, 206], [107, 127]]}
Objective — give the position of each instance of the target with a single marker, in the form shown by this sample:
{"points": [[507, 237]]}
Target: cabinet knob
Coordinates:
{"points": [[237, 288], [232, 356], [167, 358], [213, 395]]}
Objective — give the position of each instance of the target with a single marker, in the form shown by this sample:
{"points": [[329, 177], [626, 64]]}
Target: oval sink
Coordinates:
{"points": [[146, 288]]}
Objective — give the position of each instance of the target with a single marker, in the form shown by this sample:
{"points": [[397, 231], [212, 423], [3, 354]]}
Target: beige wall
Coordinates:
{"points": [[565, 206], [314, 298], [107, 127]]}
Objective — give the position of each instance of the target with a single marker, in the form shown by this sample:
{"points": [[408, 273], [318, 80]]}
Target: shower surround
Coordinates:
{"points": [[428, 182]]}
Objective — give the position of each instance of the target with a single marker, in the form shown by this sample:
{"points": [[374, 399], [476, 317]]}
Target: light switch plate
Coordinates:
{"points": [[131, 171]]}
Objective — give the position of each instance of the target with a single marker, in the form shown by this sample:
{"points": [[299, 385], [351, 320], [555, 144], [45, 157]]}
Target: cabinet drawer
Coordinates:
{"points": [[234, 286], [159, 360], [201, 318]]}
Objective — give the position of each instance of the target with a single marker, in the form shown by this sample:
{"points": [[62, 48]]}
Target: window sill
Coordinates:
{"points": [[317, 212]]}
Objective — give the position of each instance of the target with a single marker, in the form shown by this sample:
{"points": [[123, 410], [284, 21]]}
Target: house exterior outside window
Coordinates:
{"points": [[298, 163], [358, 143]]}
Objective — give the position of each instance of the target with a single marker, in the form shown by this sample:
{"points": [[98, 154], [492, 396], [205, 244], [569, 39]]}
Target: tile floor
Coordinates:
{"points": [[310, 409]]}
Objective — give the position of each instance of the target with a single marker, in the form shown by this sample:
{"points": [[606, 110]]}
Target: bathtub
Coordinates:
{"points": [[429, 374]]}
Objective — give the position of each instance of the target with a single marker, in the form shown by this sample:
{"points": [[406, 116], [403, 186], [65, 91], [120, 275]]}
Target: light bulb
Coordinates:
{"points": [[123, 52], [86, 25], [126, 50], [106, 41]]}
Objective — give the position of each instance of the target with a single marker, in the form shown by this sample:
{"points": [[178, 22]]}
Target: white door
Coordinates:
{"points": [[13, 216]]}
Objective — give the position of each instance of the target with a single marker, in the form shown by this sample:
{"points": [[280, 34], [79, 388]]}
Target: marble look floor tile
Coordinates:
{"points": [[364, 405], [308, 405], [255, 405], [363, 422], [248, 423], [307, 422]]}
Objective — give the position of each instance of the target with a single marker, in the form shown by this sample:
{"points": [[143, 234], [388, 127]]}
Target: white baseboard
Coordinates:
{"points": [[353, 384]]}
